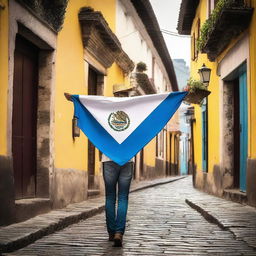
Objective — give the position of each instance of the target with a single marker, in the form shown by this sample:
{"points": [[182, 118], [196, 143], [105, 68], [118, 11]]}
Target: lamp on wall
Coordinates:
{"points": [[75, 128], [189, 115], [205, 74]]}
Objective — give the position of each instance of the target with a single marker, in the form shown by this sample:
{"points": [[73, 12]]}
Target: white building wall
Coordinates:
{"points": [[159, 80], [137, 44]]}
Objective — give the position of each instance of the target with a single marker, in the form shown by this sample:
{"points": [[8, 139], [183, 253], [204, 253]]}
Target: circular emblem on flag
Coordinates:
{"points": [[119, 121]]}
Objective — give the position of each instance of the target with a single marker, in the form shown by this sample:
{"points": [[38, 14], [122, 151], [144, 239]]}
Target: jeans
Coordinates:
{"points": [[114, 175]]}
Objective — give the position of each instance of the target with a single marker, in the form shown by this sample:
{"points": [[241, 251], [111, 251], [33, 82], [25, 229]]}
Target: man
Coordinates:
{"points": [[115, 176]]}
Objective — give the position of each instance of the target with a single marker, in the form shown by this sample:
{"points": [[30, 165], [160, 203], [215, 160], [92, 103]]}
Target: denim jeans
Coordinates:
{"points": [[115, 175]]}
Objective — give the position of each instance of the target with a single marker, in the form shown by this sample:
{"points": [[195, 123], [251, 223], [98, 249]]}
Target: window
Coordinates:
{"points": [[153, 68], [211, 5], [193, 43], [160, 145], [209, 8], [195, 36]]}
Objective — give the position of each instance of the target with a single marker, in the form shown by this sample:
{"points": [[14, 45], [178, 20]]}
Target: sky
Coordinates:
{"points": [[167, 13]]}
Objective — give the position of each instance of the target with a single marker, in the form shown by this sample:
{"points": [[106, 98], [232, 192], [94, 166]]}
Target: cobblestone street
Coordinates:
{"points": [[160, 222]]}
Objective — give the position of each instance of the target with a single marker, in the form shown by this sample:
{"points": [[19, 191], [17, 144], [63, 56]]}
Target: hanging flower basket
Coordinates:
{"points": [[197, 91], [196, 96]]}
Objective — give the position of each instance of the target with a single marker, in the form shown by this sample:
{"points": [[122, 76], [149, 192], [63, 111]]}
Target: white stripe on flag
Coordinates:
{"points": [[137, 108]]}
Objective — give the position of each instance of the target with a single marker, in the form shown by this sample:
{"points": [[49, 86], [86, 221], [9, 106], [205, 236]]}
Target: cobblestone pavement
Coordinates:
{"points": [[19, 235], [160, 222]]}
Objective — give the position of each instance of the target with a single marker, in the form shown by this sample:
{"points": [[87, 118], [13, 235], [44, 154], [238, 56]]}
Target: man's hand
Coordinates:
{"points": [[68, 96]]}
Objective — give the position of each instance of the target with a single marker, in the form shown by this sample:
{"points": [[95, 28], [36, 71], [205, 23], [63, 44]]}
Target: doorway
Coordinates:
{"points": [[95, 87], [176, 154], [240, 129], [170, 165], [142, 163], [205, 136], [92, 90], [24, 117]]}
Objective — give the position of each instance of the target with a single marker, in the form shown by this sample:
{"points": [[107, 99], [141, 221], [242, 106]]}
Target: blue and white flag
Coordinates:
{"points": [[121, 127]]}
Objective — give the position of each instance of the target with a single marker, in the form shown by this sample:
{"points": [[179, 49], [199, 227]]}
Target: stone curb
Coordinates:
{"points": [[46, 224], [36, 234], [209, 216]]}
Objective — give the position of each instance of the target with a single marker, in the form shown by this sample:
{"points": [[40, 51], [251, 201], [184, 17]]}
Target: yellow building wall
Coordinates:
{"points": [[252, 87], [213, 103], [3, 76], [71, 77], [213, 99], [106, 7], [251, 79], [115, 76], [150, 153], [170, 147]]}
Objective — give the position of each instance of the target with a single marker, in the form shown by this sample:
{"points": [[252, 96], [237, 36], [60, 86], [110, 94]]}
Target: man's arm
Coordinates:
{"points": [[68, 96]]}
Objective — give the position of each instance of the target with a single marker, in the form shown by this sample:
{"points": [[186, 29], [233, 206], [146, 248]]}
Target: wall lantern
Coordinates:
{"points": [[205, 74], [75, 128], [189, 115]]}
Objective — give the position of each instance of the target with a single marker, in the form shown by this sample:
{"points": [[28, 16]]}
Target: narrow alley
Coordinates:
{"points": [[161, 222], [99, 95]]}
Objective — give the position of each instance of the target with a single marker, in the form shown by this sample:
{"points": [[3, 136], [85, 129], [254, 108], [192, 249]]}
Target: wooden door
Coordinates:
{"points": [[142, 163], [24, 119], [92, 90], [243, 107], [236, 132]]}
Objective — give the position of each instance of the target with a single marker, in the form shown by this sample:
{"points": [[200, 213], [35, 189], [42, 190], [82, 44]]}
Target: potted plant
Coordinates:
{"points": [[197, 91], [141, 67]]}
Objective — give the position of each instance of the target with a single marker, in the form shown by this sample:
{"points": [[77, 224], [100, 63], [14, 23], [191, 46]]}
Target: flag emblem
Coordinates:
{"points": [[119, 121]]}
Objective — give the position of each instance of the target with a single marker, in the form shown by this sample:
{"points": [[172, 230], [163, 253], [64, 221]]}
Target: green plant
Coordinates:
{"points": [[52, 12], [197, 92], [141, 67], [193, 85], [210, 23]]}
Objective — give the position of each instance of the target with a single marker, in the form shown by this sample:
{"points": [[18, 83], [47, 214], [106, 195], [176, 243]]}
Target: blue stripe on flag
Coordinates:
{"points": [[147, 130]]}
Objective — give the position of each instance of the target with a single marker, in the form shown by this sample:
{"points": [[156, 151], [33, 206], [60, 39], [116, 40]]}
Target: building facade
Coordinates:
{"points": [[182, 74], [51, 47], [223, 38]]}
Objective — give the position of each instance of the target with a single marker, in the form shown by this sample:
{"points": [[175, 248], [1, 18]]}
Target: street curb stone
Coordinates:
{"points": [[210, 218], [226, 221], [19, 235]]}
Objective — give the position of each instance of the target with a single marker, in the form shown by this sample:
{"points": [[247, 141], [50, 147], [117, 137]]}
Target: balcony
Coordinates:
{"points": [[142, 84], [223, 25]]}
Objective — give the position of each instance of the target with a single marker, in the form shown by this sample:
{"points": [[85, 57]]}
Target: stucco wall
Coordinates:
{"points": [[213, 103], [137, 44], [252, 88], [72, 77], [4, 23], [221, 141]]}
